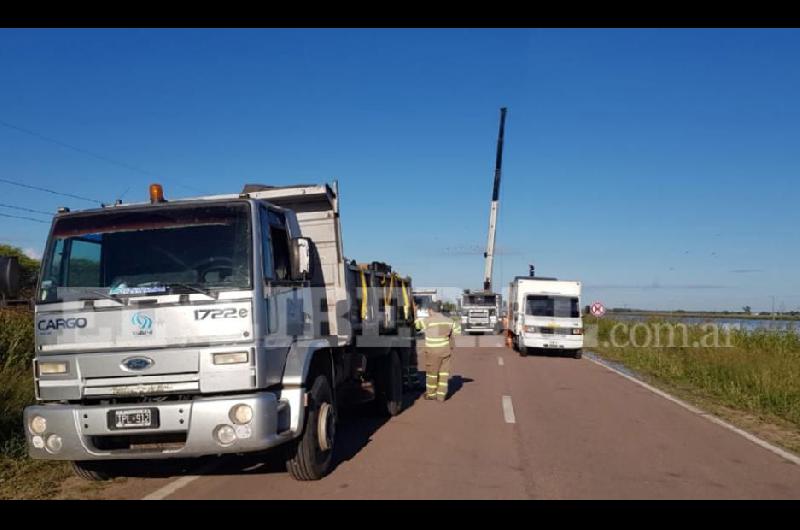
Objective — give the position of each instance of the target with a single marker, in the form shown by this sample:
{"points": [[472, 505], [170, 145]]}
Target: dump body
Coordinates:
{"points": [[161, 327], [545, 313]]}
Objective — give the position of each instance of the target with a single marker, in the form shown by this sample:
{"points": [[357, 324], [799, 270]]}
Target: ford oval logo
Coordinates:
{"points": [[137, 363]]}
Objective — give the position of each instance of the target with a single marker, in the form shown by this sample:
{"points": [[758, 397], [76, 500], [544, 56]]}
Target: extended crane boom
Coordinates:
{"points": [[489, 254]]}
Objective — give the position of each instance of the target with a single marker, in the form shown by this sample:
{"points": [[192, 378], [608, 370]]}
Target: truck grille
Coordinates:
{"points": [[555, 331], [170, 441], [141, 385], [478, 316]]}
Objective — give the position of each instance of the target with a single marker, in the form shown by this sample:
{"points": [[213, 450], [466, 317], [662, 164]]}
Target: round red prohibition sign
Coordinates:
{"points": [[598, 309]]}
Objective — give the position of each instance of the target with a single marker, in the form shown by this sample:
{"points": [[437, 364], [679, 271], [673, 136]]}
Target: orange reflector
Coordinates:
{"points": [[156, 193]]}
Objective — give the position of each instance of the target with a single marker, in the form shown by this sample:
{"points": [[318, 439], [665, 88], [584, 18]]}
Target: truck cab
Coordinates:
{"points": [[220, 324], [545, 314], [480, 312]]}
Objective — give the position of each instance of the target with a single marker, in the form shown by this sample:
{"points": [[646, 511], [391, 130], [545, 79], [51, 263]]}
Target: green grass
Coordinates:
{"points": [[20, 477], [757, 372], [16, 338], [16, 380]]}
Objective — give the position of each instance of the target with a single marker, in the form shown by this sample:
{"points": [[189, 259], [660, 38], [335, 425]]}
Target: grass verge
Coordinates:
{"points": [[20, 476], [749, 378]]}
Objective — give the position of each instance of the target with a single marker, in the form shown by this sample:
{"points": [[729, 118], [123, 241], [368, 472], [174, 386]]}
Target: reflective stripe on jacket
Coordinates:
{"points": [[438, 330]]}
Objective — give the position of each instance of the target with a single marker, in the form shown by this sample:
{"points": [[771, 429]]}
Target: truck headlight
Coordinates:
{"points": [[38, 425], [231, 358], [577, 331], [54, 443], [225, 434], [52, 368], [530, 329], [241, 414], [464, 318]]}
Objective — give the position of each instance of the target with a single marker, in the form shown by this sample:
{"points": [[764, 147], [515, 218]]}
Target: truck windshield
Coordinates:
{"points": [[423, 302], [164, 250], [480, 299], [552, 306]]}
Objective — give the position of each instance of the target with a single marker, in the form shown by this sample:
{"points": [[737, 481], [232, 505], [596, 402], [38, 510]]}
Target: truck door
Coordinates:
{"points": [[285, 298]]}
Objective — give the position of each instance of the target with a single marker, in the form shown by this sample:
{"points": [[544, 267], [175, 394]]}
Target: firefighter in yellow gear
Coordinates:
{"points": [[440, 332]]}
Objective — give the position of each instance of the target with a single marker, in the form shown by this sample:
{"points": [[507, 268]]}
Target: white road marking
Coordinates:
{"points": [[500, 361], [791, 457], [508, 410], [175, 485], [169, 489]]}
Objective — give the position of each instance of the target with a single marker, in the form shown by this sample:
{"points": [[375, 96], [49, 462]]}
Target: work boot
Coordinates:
{"points": [[430, 397]]}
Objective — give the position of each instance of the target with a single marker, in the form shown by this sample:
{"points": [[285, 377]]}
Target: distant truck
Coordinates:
{"points": [[480, 312], [425, 300], [220, 324], [545, 313]]}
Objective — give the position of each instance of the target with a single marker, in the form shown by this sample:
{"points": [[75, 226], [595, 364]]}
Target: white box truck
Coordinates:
{"points": [[545, 313]]}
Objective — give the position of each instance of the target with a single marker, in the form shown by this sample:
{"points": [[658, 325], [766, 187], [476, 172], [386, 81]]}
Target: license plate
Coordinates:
{"points": [[133, 419]]}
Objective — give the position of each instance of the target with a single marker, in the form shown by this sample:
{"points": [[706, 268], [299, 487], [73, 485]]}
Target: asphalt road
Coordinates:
{"points": [[540, 427]]}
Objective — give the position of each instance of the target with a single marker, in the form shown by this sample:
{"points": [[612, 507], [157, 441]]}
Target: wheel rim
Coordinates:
{"points": [[326, 427]]}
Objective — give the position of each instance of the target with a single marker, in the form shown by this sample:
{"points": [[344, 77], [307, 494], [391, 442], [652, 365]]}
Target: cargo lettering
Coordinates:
{"points": [[61, 323]]}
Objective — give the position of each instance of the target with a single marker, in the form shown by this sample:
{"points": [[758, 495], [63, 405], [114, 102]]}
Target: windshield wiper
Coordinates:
{"points": [[207, 292], [107, 296]]}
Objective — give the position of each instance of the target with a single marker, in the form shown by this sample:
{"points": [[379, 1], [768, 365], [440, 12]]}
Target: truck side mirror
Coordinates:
{"points": [[9, 276], [301, 258]]}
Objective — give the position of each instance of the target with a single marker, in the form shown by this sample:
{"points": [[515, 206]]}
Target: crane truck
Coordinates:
{"points": [[480, 310], [211, 325]]}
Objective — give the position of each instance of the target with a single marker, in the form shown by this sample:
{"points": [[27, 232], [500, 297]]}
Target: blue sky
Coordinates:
{"points": [[660, 167]]}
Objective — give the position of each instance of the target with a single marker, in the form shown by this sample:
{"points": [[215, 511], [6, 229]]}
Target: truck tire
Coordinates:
{"points": [[92, 471], [523, 350], [389, 396], [577, 353], [311, 457]]}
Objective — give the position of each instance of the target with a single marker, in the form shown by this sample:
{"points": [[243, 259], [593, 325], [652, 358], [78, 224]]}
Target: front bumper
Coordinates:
{"points": [[472, 327], [553, 342], [84, 430]]}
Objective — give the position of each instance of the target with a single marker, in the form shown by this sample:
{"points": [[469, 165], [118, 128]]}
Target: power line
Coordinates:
{"points": [[74, 148], [88, 153], [50, 214], [37, 188], [23, 217]]}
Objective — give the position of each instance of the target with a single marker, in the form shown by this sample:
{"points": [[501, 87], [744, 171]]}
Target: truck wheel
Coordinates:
{"points": [[311, 456], [92, 471], [523, 350], [577, 353], [389, 399]]}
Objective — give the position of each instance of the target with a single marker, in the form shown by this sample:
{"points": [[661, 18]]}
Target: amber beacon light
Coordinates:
{"points": [[156, 193]]}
